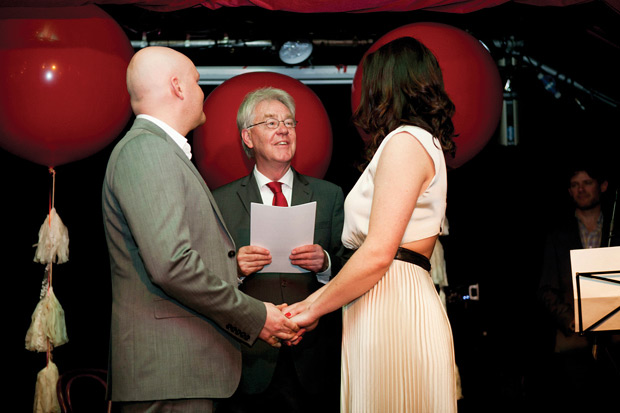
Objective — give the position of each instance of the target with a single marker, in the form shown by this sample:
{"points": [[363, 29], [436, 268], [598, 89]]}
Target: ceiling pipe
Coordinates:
{"points": [[226, 42]]}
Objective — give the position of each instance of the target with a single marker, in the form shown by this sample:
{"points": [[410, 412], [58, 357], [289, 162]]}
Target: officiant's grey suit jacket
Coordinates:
{"points": [[317, 357], [177, 314]]}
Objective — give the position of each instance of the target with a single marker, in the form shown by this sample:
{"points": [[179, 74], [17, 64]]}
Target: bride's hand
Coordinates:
{"points": [[305, 320], [294, 309]]}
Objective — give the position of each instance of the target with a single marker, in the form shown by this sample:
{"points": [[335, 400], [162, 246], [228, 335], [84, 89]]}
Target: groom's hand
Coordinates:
{"points": [[277, 327]]}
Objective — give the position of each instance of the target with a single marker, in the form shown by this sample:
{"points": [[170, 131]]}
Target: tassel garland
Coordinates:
{"points": [[47, 328]]}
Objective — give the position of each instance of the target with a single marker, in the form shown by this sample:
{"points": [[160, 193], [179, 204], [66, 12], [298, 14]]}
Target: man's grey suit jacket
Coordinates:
{"points": [[175, 302]]}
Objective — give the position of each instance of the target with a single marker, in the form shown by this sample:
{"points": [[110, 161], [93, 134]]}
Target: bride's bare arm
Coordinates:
{"points": [[404, 170]]}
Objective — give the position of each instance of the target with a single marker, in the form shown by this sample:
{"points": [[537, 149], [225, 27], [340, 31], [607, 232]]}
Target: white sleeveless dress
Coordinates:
{"points": [[397, 349]]}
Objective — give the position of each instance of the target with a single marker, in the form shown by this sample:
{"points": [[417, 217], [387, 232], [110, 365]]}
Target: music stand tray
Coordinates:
{"points": [[596, 288]]}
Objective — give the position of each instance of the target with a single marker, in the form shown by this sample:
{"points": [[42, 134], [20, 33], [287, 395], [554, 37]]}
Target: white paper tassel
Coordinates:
{"points": [[53, 245], [48, 322], [438, 264], [45, 398]]}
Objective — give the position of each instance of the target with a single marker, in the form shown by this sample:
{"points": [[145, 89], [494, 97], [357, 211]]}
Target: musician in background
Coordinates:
{"points": [[583, 365]]}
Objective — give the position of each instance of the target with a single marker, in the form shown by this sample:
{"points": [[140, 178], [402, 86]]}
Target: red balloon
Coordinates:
{"points": [[217, 144], [62, 78], [471, 79]]}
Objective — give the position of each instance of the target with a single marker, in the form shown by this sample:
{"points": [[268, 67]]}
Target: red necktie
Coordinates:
{"points": [[278, 196]]}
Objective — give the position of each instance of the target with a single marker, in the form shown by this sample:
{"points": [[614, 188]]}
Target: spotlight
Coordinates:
{"points": [[295, 52]]}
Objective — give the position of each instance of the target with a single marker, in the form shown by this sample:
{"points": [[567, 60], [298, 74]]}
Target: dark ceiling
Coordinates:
{"points": [[580, 42]]}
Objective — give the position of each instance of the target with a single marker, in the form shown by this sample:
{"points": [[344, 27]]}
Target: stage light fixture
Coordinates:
{"points": [[295, 52], [509, 121]]}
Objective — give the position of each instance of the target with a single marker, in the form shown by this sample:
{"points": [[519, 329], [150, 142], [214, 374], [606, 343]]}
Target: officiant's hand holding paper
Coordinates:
{"points": [[251, 259], [310, 257]]}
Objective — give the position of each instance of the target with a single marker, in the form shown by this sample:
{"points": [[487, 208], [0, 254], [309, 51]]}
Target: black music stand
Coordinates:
{"points": [[596, 287]]}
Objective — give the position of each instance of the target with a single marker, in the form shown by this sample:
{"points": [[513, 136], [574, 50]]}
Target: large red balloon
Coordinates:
{"points": [[217, 144], [62, 79], [471, 79]]}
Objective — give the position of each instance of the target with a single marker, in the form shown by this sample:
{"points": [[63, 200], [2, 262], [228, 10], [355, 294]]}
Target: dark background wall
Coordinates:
{"points": [[500, 205]]}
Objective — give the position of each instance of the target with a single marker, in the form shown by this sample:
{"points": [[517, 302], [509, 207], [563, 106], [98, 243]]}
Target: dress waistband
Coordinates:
{"points": [[412, 257]]}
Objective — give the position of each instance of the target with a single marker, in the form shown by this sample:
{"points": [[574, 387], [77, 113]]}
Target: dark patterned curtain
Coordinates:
{"points": [[312, 6]]}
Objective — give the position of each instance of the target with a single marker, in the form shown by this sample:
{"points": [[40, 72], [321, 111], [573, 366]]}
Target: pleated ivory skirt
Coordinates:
{"points": [[397, 349]]}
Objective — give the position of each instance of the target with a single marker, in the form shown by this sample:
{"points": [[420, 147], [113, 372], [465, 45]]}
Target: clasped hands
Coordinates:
{"points": [[284, 323], [287, 323]]}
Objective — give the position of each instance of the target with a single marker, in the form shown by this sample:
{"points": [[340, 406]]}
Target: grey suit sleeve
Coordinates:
{"points": [[182, 244]]}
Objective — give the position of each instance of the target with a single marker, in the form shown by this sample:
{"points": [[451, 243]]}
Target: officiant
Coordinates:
{"points": [[305, 377]]}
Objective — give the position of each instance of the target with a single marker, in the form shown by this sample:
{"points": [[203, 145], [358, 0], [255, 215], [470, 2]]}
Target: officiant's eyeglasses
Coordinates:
{"points": [[275, 124]]}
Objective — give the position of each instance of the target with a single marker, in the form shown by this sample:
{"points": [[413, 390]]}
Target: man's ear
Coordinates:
{"points": [[177, 90], [604, 185], [245, 135]]}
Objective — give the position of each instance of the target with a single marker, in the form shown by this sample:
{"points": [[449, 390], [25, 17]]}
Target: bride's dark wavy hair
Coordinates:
{"points": [[402, 85]]}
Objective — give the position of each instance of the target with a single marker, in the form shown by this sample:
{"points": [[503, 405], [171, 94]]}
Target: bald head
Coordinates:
{"points": [[163, 83]]}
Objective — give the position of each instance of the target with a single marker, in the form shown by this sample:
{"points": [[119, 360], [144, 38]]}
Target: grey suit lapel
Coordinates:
{"points": [[157, 131]]}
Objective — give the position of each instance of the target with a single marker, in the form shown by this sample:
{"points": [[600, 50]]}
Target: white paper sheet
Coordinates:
{"points": [[280, 229]]}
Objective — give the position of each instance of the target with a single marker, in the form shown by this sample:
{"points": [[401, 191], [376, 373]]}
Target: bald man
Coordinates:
{"points": [[178, 317]]}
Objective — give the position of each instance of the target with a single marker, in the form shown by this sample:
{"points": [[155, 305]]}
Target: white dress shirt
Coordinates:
{"points": [[267, 194], [176, 136]]}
